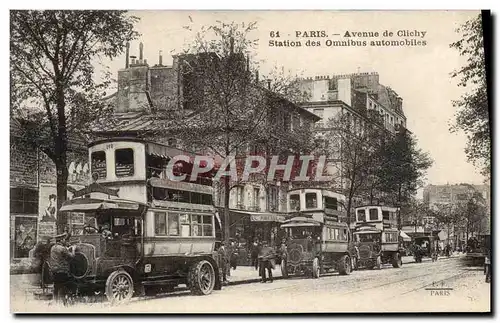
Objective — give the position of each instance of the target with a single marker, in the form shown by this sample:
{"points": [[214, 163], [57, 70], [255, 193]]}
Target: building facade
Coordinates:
{"points": [[450, 197], [360, 98], [33, 190], [146, 93]]}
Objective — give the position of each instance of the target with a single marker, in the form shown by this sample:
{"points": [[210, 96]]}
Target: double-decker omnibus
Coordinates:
{"points": [[317, 236], [376, 237], [136, 230]]}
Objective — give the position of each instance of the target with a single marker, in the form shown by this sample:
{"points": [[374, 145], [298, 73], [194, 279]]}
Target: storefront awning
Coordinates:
{"points": [[87, 204], [404, 236], [261, 216]]}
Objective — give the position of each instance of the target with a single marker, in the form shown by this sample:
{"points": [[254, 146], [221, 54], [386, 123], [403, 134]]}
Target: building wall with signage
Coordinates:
{"points": [[33, 191]]}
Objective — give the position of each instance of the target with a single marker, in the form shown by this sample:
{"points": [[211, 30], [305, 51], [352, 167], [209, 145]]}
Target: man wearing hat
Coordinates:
{"points": [[59, 263], [266, 256]]}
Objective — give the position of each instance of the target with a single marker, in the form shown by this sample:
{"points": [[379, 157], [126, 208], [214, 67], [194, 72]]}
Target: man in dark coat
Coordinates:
{"points": [[266, 256], [255, 254], [59, 263]]}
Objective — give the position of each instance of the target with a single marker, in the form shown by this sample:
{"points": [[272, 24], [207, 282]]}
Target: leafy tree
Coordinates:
{"points": [[472, 114], [356, 152], [52, 70], [403, 168], [231, 110]]}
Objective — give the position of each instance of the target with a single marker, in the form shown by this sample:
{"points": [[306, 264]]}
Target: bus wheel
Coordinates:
{"points": [[119, 287], [316, 269], [201, 278], [284, 270], [396, 260], [345, 265]]}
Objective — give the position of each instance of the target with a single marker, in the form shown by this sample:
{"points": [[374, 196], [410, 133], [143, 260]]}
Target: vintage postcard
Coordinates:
{"points": [[250, 161]]}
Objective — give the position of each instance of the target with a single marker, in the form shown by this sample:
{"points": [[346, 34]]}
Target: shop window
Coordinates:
{"points": [[311, 200], [24, 235], [160, 223], [124, 162], [294, 202], [373, 214], [330, 203], [361, 216], [23, 201], [98, 164]]}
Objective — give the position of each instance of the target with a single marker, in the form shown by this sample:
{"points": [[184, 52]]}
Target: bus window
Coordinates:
{"points": [[311, 200], [385, 215], [196, 198], [330, 203], [294, 202], [185, 225], [124, 162], [160, 224], [373, 214], [98, 163], [196, 225], [361, 215], [173, 224], [206, 199], [207, 226]]}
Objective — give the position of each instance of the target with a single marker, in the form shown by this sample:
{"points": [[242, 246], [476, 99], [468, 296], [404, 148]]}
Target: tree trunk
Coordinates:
{"points": [[399, 208], [61, 149], [62, 181], [226, 210]]}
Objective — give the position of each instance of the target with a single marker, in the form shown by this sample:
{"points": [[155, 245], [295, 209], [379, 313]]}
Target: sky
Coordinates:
{"points": [[419, 74]]}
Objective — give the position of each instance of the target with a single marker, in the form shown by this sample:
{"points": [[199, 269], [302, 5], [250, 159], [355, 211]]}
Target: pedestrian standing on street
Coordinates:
{"points": [[59, 263], [223, 263], [487, 266], [255, 254], [266, 256], [233, 260]]}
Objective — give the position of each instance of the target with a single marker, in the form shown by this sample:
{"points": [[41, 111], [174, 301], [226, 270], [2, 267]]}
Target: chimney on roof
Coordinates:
{"points": [[160, 58], [257, 77], [268, 84], [141, 49], [132, 57], [127, 53]]}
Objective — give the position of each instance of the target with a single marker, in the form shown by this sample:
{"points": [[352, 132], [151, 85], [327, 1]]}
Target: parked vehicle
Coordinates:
{"points": [[316, 241], [426, 247], [161, 232], [376, 238]]}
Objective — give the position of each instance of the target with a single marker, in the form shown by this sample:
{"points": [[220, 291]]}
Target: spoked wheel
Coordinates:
{"points": [[316, 268], [201, 278], [119, 287], [345, 265]]}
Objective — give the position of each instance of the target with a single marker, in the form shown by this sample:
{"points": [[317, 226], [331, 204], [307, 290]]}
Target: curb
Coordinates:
{"points": [[249, 281]]}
